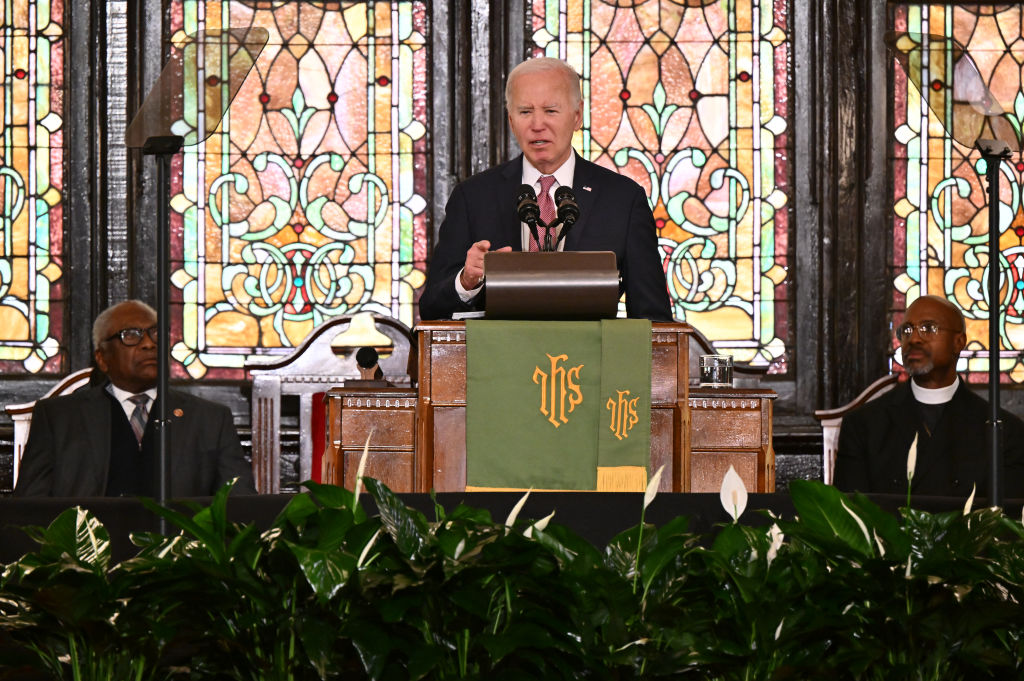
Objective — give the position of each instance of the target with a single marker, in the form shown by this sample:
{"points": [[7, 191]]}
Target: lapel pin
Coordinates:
{"points": [[586, 188], [179, 413]]}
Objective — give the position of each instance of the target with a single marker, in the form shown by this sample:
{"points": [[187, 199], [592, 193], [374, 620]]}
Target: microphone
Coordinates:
{"points": [[527, 209], [568, 210]]}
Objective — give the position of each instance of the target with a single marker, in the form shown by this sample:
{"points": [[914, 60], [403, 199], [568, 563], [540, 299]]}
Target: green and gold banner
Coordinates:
{"points": [[624, 445], [558, 405]]}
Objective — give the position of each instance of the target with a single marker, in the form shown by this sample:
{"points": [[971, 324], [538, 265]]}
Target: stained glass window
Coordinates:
{"points": [[309, 202], [690, 99], [32, 183], [940, 229]]}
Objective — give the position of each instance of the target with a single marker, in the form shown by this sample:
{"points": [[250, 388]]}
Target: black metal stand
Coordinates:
{"points": [[994, 152], [163, 148]]}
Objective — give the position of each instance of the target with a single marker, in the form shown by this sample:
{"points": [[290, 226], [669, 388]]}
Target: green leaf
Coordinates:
{"points": [[374, 646], [439, 514], [731, 543], [334, 524], [821, 511], [210, 541], [81, 536], [517, 637], [424, 660], [671, 543], [326, 571], [549, 542], [406, 526], [886, 528], [319, 640], [298, 509]]}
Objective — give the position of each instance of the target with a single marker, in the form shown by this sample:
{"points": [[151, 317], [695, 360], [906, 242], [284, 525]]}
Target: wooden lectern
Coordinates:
{"points": [[419, 438]]}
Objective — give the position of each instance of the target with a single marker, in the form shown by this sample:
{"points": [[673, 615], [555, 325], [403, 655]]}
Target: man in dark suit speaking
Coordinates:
{"points": [[948, 420], [544, 109], [99, 441]]}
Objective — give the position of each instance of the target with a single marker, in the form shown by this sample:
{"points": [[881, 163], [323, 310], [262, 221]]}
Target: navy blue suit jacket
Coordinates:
{"points": [[614, 216]]}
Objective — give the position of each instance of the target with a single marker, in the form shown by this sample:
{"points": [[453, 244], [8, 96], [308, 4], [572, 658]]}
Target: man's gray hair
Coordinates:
{"points": [[101, 327], [572, 79]]}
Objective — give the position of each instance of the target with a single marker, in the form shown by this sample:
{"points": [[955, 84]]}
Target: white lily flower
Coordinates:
{"points": [[652, 486], [878, 543], [733, 494], [773, 550], [540, 525], [514, 513], [970, 499], [912, 459]]}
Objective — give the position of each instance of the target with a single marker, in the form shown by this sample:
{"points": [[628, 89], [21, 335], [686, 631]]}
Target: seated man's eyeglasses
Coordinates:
{"points": [[132, 336], [924, 329]]}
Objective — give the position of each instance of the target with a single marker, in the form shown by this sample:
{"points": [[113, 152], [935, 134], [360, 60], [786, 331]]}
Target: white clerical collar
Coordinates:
{"points": [[563, 176], [934, 395], [122, 395]]}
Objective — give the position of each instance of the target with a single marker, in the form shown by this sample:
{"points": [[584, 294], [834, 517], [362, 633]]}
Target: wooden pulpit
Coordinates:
{"points": [[441, 431], [418, 441]]}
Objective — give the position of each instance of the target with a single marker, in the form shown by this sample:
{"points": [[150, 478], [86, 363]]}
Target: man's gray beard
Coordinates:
{"points": [[920, 369]]}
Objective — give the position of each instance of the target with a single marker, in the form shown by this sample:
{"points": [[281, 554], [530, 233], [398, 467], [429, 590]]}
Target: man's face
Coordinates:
{"points": [[932, 361], [132, 368], [543, 118]]}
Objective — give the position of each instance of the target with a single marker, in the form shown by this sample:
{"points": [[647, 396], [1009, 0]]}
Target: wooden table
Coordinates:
{"points": [[731, 426]]}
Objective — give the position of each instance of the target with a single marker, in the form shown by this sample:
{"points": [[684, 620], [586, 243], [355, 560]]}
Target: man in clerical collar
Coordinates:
{"points": [[101, 441], [936, 407], [545, 108]]}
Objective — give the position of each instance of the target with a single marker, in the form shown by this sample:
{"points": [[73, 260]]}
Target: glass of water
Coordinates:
{"points": [[716, 371]]}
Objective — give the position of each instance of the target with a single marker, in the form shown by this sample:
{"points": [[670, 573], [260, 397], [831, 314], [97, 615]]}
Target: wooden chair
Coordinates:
{"points": [[21, 414], [327, 358], [832, 419]]}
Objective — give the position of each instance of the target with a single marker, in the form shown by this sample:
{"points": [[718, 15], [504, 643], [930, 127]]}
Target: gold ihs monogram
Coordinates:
{"points": [[623, 412], [560, 390]]}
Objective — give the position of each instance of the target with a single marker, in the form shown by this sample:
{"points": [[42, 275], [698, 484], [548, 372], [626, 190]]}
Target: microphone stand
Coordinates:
{"points": [[163, 148], [994, 152]]}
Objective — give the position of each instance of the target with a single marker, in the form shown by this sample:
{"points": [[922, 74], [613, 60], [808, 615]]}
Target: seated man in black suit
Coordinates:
{"points": [[935, 405], [99, 441], [544, 109]]}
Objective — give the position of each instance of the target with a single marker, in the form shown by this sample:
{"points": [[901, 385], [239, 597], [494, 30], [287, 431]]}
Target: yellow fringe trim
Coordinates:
{"points": [[621, 479]]}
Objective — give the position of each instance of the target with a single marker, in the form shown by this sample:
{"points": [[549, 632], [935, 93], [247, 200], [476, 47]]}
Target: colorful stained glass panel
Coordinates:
{"points": [[309, 202], [31, 187], [940, 228], [689, 98]]}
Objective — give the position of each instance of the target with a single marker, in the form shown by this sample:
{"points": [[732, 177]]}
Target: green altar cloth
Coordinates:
{"points": [[558, 405]]}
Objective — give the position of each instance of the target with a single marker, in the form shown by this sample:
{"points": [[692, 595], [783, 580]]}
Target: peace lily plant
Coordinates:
{"points": [[843, 590]]}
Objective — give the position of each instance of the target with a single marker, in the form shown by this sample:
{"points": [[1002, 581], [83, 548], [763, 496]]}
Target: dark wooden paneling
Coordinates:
{"points": [[710, 467]]}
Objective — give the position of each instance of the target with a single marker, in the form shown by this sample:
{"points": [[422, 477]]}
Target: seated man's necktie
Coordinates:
{"points": [[139, 415]]}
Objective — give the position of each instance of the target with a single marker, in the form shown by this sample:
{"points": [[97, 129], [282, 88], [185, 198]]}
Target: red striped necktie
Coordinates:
{"points": [[547, 210]]}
